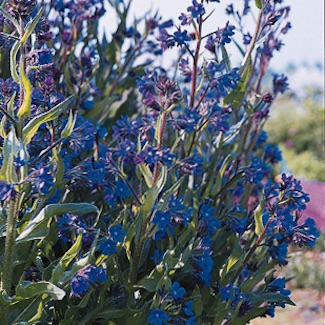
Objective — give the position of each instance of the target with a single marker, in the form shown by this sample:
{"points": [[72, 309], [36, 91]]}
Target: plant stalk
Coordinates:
{"points": [[10, 246]]}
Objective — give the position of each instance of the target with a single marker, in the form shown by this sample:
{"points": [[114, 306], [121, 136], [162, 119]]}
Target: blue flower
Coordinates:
{"points": [[292, 193], [157, 257], [228, 291], [108, 247], [225, 33], [208, 219], [197, 9], [306, 234], [117, 233], [272, 154], [81, 282], [188, 308], [158, 317], [78, 286], [121, 190], [278, 252], [192, 165], [177, 291], [191, 321], [181, 37], [256, 171], [162, 219], [147, 83], [94, 274], [278, 285], [203, 260]]}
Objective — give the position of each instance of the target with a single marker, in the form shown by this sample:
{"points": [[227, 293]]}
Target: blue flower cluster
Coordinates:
{"points": [[176, 296], [176, 163]]}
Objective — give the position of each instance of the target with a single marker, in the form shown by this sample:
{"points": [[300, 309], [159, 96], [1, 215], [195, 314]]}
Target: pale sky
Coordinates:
{"points": [[304, 43]]}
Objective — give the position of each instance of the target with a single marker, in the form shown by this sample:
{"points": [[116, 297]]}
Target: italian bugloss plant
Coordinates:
{"points": [[131, 194]]}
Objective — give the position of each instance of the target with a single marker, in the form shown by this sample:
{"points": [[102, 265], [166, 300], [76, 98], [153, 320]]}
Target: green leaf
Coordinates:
{"points": [[67, 74], [256, 312], [11, 148], [258, 276], [66, 132], [225, 58], [111, 111], [101, 106], [36, 226], [11, 18], [129, 237], [60, 166], [272, 297], [197, 301], [147, 174], [151, 282], [151, 195], [31, 128], [259, 3], [31, 26], [29, 289], [13, 60], [24, 109], [258, 217], [237, 96], [167, 193], [66, 259]]}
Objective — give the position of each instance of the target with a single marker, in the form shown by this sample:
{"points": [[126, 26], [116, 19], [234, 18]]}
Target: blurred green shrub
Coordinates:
{"points": [[297, 126]]}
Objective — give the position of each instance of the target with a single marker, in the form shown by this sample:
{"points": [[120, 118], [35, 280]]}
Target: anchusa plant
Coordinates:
{"points": [[132, 193]]}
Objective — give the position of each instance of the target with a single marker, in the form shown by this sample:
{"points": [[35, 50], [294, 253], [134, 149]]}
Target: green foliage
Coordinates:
{"points": [[297, 125]]}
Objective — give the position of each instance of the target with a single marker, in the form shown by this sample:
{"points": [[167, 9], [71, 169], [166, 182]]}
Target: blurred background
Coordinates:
{"points": [[296, 126]]}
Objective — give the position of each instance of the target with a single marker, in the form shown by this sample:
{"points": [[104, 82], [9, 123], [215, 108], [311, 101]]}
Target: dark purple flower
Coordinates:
{"points": [[247, 38], [166, 40], [21, 8], [7, 191], [230, 9], [7, 88], [280, 83]]}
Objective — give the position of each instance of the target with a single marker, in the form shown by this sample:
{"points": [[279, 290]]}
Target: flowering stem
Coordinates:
{"points": [[9, 246], [137, 253], [253, 41], [253, 249], [160, 139], [195, 62]]}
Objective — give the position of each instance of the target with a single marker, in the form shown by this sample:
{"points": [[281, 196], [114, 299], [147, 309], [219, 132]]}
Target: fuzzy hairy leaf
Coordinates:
{"points": [[31, 128], [30, 289], [36, 226]]}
